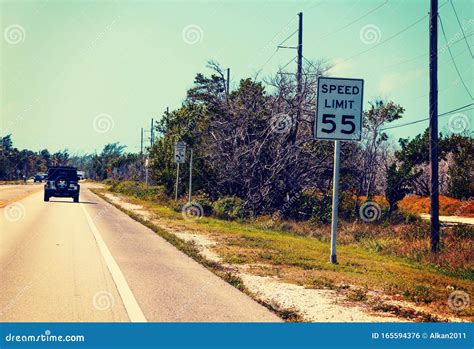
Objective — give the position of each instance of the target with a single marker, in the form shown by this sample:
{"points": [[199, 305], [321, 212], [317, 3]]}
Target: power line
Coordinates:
{"points": [[388, 39], [452, 57], [426, 119], [289, 37], [269, 59], [460, 26], [273, 38], [292, 60], [354, 21], [426, 54], [310, 63], [392, 36]]}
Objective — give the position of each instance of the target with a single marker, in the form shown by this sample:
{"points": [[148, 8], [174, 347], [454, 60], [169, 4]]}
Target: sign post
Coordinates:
{"points": [[147, 160], [335, 200], [190, 175], [177, 183], [338, 118], [179, 158]]}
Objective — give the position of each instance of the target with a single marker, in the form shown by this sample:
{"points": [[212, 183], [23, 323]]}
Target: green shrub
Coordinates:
{"points": [[463, 231], [416, 231], [419, 293], [357, 295], [399, 217], [310, 206], [229, 207], [176, 205], [206, 204], [139, 190], [347, 206], [110, 181]]}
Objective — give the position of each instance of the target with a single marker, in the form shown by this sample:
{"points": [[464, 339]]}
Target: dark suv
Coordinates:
{"points": [[62, 182]]}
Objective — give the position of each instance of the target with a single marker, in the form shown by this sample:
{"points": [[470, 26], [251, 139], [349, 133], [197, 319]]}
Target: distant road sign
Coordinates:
{"points": [[180, 152], [339, 109]]}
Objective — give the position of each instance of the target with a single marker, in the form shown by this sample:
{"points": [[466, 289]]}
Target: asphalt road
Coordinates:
{"points": [[61, 261]]}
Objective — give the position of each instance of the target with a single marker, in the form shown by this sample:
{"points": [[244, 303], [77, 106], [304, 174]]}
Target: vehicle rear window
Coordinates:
{"points": [[56, 173]]}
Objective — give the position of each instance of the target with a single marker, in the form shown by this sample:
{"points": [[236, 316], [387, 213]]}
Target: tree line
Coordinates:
{"points": [[255, 143]]}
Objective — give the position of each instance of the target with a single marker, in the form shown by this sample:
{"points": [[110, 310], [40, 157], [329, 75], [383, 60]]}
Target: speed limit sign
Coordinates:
{"points": [[338, 118], [339, 109]]}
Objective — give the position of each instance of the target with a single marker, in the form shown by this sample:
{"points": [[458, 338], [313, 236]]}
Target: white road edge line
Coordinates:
{"points": [[131, 305]]}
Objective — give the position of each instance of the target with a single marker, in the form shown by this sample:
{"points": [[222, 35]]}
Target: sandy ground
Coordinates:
{"points": [[451, 219], [312, 304]]}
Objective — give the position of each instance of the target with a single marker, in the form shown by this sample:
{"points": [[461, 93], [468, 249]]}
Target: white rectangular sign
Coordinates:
{"points": [[339, 109], [180, 152]]}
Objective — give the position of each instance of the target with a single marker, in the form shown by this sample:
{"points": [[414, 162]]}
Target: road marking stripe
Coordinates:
{"points": [[131, 305]]}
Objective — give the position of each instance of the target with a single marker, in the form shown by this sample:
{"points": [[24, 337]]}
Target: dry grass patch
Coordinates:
{"points": [[302, 259]]}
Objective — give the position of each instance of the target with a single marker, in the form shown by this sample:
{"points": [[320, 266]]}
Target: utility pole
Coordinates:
{"points": [[434, 190], [299, 75], [141, 142], [299, 71], [152, 140], [228, 81]]}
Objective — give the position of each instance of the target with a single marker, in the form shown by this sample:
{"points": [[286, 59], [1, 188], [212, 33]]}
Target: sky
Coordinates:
{"points": [[81, 74]]}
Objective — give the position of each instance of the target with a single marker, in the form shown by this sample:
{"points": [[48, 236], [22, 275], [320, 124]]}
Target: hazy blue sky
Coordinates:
{"points": [[72, 69]]}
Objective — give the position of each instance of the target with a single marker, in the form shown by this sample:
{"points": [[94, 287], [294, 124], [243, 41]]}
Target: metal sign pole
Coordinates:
{"points": [[335, 200], [146, 171], [190, 176], [177, 183], [146, 176]]}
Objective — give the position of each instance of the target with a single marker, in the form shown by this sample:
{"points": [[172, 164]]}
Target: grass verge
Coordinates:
{"points": [[303, 260]]}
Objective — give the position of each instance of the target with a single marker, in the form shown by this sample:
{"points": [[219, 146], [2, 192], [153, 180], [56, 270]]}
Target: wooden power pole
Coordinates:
{"points": [[152, 140], [434, 190], [299, 72]]}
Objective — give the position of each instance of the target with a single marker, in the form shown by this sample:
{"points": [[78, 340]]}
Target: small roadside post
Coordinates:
{"points": [[147, 160], [179, 158], [338, 118], [190, 174]]}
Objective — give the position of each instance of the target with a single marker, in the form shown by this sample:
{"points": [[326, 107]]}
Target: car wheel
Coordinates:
{"points": [[46, 197], [76, 198], [61, 184]]}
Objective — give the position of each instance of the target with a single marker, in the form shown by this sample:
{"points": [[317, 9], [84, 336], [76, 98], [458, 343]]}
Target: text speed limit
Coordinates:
{"points": [[339, 109]]}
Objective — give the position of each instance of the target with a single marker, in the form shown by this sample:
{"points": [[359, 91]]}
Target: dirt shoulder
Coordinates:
{"points": [[10, 193], [320, 294]]}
